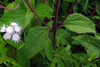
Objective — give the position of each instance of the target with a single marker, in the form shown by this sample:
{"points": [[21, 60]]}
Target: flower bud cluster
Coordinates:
{"points": [[12, 31]]}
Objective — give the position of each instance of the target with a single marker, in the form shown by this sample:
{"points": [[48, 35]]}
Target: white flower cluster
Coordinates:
{"points": [[11, 32]]}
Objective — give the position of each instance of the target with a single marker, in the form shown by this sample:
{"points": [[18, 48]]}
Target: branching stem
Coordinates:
{"points": [[55, 23], [36, 14], [67, 14]]}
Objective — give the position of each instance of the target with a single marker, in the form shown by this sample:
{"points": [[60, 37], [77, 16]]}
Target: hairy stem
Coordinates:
{"points": [[55, 23], [10, 9], [36, 14], [94, 11], [67, 14]]}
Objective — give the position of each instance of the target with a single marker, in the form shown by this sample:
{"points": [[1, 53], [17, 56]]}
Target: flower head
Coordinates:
{"points": [[7, 36], [16, 37], [3, 29], [12, 31], [17, 29], [14, 24], [9, 29]]}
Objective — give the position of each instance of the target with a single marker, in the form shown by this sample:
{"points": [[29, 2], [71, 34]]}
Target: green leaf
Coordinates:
{"points": [[60, 63], [10, 60], [86, 4], [35, 42], [98, 10], [1, 39], [89, 42], [12, 43], [92, 56], [32, 3], [70, 0], [67, 63], [44, 10], [80, 55], [28, 17], [2, 50], [90, 52], [10, 6], [63, 37], [78, 23], [49, 50], [68, 47], [19, 16]]}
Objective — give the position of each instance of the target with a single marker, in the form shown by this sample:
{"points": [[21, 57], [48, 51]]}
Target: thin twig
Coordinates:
{"points": [[36, 20], [94, 11], [55, 23], [36, 14], [67, 14], [95, 59], [10, 9]]}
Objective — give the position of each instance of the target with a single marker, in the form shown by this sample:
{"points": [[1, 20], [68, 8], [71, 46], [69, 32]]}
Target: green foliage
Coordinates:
{"points": [[44, 11], [77, 42], [35, 42], [79, 24]]}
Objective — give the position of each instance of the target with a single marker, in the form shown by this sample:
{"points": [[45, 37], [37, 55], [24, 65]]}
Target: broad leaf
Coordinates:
{"points": [[89, 42], [60, 63], [49, 50], [44, 10], [80, 24], [2, 50], [63, 37], [20, 16], [35, 42]]}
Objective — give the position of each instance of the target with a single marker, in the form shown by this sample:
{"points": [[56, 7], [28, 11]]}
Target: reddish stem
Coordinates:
{"points": [[36, 20], [55, 23], [10, 9], [44, 2], [36, 14], [67, 14], [95, 59], [94, 11]]}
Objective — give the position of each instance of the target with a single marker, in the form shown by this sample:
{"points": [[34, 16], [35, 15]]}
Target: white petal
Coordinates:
{"points": [[14, 24], [7, 36], [17, 29], [16, 37], [9, 29], [3, 29]]}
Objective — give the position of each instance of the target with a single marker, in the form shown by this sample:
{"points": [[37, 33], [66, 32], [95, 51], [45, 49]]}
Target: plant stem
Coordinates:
{"points": [[36, 20], [36, 14], [94, 11], [95, 59], [10, 9], [55, 23], [67, 14]]}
